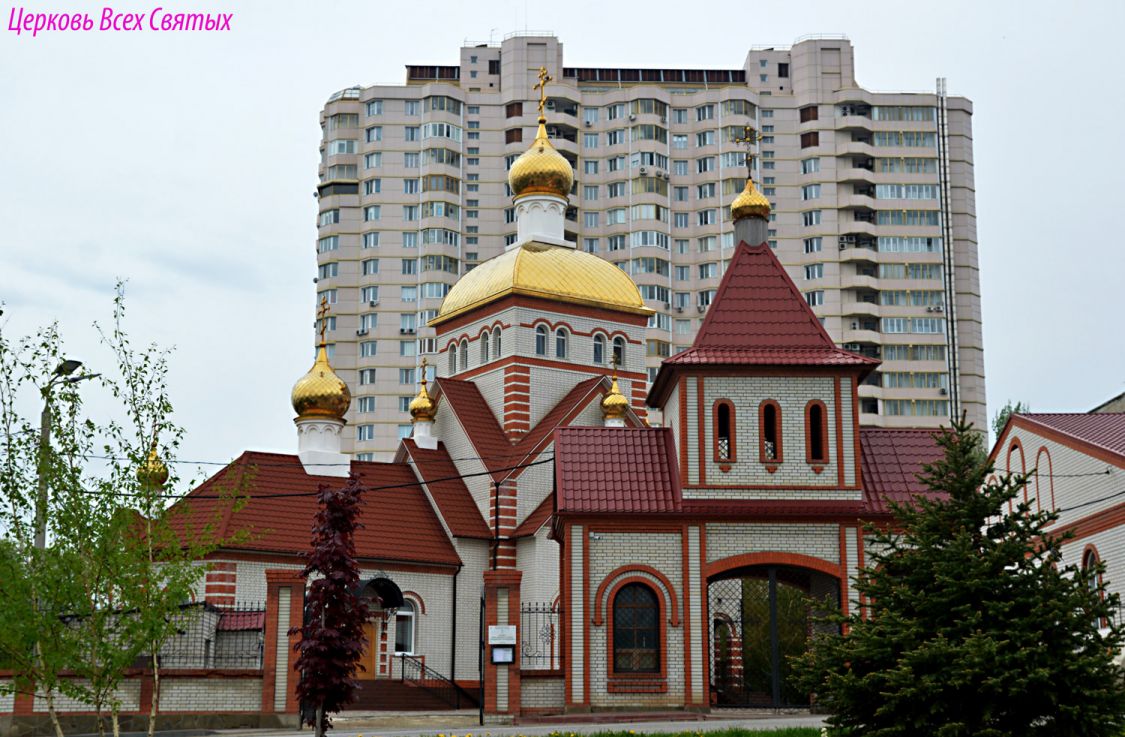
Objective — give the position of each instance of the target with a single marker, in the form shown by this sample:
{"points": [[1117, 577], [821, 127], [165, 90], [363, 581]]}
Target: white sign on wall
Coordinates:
{"points": [[501, 634]]}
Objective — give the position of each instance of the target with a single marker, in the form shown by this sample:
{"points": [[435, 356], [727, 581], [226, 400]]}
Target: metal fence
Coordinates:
{"points": [[540, 636], [230, 637]]}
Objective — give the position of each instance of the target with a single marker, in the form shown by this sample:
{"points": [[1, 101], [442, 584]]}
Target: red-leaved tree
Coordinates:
{"points": [[332, 636]]}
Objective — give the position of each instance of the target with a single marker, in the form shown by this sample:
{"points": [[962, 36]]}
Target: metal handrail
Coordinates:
{"points": [[447, 690]]}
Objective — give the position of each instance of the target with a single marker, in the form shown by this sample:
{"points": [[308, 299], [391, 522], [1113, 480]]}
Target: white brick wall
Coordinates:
{"points": [[538, 558], [281, 648], [852, 551], [474, 556], [129, 693], [542, 693], [818, 540], [578, 607], [449, 430], [846, 411], [502, 670], [210, 694], [695, 611], [250, 586]]}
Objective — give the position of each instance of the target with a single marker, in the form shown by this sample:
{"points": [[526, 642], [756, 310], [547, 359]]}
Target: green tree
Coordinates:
{"points": [[1005, 412], [973, 624], [107, 590]]}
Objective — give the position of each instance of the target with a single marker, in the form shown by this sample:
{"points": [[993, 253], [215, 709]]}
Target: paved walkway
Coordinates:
{"points": [[464, 723]]}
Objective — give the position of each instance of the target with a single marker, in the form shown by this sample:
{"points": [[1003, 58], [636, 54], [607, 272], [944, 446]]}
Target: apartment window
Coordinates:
{"points": [[373, 134], [814, 245], [372, 186], [683, 273], [615, 189], [590, 140], [328, 294], [705, 164], [679, 141], [590, 166], [367, 349], [590, 115], [407, 348], [703, 191], [367, 376], [767, 113], [783, 70], [680, 219], [708, 271], [327, 271], [513, 135], [590, 192], [365, 404], [810, 112], [410, 266], [615, 216], [706, 243], [412, 107], [815, 298], [708, 217], [682, 299], [411, 160], [814, 271], [810, 217], [331, 243], [374, 107], [682, 245], [590, 245], [616, 242], [409, 294], [513, 109], [341, 146], [810, 139], [615, 137], [704, 298], [705, 112], [590, 219], [371, 212], [810, 192], [329, 217], [365, 432], [705, 138], [680, 194]]}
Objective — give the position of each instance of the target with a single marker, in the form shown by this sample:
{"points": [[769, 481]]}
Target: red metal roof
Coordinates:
{"points": [[398, 522], [891, 460], [449, 492], [537, 518], [758, 317], [497, 452], [616, 469], [241, 621], [1105, 430]]}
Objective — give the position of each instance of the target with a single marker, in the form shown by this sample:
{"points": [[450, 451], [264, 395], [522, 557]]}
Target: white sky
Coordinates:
{"points": [[186, 163]]}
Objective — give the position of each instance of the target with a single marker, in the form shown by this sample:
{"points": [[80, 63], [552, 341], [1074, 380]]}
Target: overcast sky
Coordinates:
{"points": [[186, 164]]}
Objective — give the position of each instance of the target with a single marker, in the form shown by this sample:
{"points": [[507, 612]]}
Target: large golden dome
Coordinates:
{"points": [[750, 203], [320, 392], [541, 169], [557, 273]]}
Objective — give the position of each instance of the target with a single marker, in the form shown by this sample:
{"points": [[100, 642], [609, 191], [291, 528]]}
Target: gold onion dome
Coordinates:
{"points": [[556, 273], [153, 472], [750, 203], [422, 408], [541, 169], [320, 392], [614, 404]]}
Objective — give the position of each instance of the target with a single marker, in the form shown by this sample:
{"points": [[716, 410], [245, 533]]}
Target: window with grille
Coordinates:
{"points": [[636, 630]]}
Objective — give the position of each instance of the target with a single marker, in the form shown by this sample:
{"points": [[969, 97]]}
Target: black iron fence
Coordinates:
{"points": [[540, 636], [211, 637]]}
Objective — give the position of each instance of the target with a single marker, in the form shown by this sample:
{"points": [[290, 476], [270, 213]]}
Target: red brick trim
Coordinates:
{"points": [[638, 682], [564, 308], [1039, 477], [774, 558], [839, 433], [701, 441], [685, 607], [600, 601], [682, 384]]}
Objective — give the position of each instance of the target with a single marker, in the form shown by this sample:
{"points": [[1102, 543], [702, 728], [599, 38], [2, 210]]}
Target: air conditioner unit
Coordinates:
{"points": [[855, 325], [632, 117], [680, 309], [644, 169], [939, 308], [361, 331], [315, 280], [373, 303], [943, 391], [665, 175], [589, 124], [667, 305], [701, 308], [663, 118]]}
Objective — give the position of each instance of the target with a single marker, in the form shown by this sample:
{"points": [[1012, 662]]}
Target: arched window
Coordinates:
{"points": [[452, 351], [464, 354], [636, 630], [619, 351], [541, 340], [560, 343], [496, 342], [599, 349], [816, 432], [724, 431], [1089, 563], [484, 347], [404, 628], [769, 422]]}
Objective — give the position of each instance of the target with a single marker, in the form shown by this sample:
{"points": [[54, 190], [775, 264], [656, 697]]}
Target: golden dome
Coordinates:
{"points": [[557, 273], [422, 408], [541, 169], [614, 404], [153, 472], [320, 392], [750, 203]]}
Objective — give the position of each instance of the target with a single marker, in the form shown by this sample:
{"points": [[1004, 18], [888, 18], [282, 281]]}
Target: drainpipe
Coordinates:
{"points": [[453, 639]]}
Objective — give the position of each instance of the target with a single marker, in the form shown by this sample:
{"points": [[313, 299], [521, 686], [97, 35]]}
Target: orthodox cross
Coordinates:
{"points": [[749, 138], [423, 371], [613, 363], [544, 78], [322, 317]]}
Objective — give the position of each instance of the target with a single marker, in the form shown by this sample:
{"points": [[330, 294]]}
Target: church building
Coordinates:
{"points": [[535, 517]]}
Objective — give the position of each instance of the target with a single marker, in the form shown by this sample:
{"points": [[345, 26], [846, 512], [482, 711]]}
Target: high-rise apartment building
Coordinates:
{"points": [[872, 192]]}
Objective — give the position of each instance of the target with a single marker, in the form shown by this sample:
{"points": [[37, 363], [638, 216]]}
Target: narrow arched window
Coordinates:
{"points": [[1093, 580], [464, 354], [541, 340], [484, 347], [724, 431], [404, 628], [816, 432], [452, 350], [599, 349], [636, 630], [496, 342], [770, 425], [560, 343], [619, 351]]}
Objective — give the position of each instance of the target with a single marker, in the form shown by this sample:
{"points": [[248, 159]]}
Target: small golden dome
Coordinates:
{"points": [[541, 169], [557, 273], [422, 408], [320, 392], [614, 404], [750, 203], [153, 472]]}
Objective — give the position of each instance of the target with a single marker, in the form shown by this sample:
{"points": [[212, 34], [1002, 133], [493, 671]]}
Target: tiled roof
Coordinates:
{"points": [[537, 518], [497, 452], [1105, 430], [449, 492], [616, 469], [398, 521], [241, 621], [758, 317], [891, 461]]}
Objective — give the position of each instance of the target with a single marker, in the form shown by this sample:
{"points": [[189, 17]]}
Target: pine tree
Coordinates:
{"points": [[973, 624], [332, 637]]}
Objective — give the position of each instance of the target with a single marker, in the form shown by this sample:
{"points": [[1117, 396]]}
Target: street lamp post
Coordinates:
{"points": [[62, 375]]}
